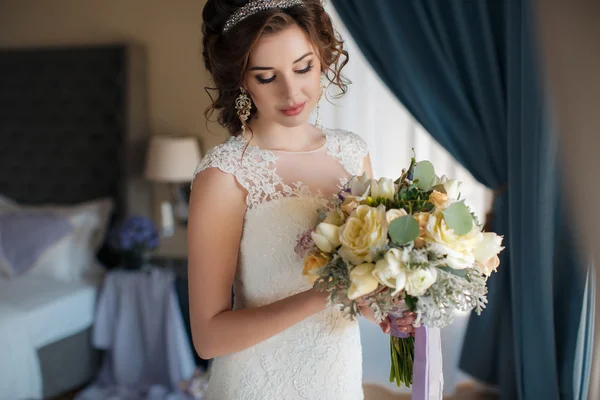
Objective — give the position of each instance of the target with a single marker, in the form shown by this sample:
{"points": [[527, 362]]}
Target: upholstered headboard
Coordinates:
{"points": [[62, 124]]}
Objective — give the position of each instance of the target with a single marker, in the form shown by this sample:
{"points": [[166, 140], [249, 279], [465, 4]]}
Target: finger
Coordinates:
{"points": [[406, 321], [385, 326]]}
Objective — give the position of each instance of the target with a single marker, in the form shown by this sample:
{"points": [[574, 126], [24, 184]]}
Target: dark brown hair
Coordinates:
{"points": [[226, 54]]}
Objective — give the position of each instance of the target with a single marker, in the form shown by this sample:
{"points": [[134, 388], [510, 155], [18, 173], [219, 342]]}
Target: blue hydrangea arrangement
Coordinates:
{"points": [[134, 238]]}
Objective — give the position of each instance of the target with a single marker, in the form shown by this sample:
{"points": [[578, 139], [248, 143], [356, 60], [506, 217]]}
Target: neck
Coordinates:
{"points": [[272, 136]]}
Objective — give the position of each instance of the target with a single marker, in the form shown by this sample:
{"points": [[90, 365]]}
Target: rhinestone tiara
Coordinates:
{"points": [[254, 6]]}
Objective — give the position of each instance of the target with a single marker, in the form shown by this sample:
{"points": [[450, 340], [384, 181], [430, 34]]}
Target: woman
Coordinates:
{"points": [[271, 61]]}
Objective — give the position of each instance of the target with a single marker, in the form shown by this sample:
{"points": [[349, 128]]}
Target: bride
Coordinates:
{"points": [[271, 62]]}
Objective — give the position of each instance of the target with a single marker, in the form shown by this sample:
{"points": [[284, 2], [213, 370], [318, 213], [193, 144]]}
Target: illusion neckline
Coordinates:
{"points": [[321, 147]]}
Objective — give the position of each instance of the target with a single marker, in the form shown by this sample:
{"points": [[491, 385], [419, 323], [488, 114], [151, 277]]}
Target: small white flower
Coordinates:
{"points": [[390, 271], [419, 280]]}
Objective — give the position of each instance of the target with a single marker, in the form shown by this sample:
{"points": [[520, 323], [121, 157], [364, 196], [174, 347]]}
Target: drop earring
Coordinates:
{"points": [[243, 105], [318, 117]]}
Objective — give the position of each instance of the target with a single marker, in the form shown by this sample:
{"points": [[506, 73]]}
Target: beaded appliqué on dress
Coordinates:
{"points": [[320, 358]]}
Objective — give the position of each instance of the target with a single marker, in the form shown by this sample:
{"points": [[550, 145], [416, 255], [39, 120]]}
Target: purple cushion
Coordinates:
{"points": [[24, 236]]}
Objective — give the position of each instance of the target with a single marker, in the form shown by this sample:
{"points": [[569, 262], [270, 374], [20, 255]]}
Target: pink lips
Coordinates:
{"points": [[292, 111]]}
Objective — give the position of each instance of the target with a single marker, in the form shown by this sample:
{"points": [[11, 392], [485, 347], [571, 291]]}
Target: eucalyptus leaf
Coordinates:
{"points": [[404, 229], [461, 273], [458, 217], [424, 175]]}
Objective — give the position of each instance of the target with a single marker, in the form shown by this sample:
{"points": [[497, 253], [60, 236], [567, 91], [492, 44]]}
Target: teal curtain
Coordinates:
{"points": [[468, 72]]}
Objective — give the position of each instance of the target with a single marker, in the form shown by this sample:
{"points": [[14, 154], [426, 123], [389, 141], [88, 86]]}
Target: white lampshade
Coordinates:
{"points": [[172, 159]]}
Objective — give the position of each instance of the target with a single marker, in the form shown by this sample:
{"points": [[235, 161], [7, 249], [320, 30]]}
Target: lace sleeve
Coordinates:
{"points": [[222, 157], [349, 148]]}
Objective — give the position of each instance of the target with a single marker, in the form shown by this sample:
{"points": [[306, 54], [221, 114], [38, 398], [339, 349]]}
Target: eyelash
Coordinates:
{"points": [[302, 71]]}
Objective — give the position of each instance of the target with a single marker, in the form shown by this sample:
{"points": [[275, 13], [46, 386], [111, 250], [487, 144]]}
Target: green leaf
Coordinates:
{"points": [[461, 273], [459, 218], [404, 230], [424, 175]]}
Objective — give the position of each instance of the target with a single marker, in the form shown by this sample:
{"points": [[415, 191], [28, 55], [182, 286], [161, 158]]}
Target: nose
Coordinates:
{"points": [[290, 87]]}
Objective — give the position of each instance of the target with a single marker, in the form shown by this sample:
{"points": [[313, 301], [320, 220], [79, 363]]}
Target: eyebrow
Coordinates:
{"points": [[269, 68]]}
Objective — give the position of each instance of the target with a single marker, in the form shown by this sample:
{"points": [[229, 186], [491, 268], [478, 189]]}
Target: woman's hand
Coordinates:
{"points": [[405, 324]]}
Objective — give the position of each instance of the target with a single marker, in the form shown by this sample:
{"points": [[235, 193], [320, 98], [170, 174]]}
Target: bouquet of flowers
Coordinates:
{"points": [[134, 238], [410, 244]]}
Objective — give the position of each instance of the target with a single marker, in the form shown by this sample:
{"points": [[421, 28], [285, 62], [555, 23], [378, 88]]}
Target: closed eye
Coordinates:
{"points": [[263, 81]]}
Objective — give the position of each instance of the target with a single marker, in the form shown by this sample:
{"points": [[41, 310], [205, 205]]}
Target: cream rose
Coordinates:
{"points": [[363, 234], [384, 187], [326, 237], [362, 280], [459, 249], [391, 271], [486, 252], [419, 280], [394, 213], [314, 261]]}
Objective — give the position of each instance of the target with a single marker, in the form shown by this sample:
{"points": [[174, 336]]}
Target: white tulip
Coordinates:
{"points": [[362, 280], [384, 187], [360, 186], [451, 186], [390, 271], [326, 237]]}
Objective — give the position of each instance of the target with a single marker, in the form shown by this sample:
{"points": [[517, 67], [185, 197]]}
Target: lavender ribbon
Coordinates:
{"points": [[428, 379]]}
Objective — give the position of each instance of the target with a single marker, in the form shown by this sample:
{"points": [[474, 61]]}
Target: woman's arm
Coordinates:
{"points": [[217, 208]]}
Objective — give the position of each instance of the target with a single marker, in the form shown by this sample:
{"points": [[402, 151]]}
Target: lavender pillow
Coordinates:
{"points": [[25, 235]]}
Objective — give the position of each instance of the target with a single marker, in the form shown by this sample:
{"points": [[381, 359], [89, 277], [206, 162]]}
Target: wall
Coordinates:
{"points": [[169, 36]]}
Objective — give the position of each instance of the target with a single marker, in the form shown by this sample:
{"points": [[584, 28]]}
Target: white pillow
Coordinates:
{"points": [[72, 258]]}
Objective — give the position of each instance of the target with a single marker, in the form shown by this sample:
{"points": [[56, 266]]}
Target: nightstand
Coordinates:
{"points": [[179, 266]]}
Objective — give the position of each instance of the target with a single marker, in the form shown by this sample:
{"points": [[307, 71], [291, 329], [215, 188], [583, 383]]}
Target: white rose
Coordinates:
{"points": [[335, 217], [419, 280], [363, 234], [362, 280], [326, 237], [360, 186], [459, 249], [394, 213], [390, 271], [384, 187], [486, 252], [451, 186]]}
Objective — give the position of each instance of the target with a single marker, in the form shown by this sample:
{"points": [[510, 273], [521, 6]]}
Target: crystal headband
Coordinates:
{"points": [[254, 6]]}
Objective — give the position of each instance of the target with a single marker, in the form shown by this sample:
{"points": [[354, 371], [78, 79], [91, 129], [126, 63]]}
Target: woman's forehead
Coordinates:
{"points": [[281, 48]]}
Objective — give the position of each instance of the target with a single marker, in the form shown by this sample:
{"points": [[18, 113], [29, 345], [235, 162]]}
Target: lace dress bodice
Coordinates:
{"points": [[320, 357]]}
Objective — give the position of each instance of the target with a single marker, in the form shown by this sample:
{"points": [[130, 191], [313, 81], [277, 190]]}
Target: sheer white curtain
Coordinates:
{"points": [[370, 110]]}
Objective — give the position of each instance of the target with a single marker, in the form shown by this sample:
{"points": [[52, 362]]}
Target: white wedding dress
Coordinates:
{"points": [[319, 358]]}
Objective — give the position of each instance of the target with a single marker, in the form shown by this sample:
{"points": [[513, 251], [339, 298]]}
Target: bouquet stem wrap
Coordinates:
{"points": [[426, 361]]}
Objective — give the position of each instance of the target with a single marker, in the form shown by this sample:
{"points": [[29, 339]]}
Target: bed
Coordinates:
{"points": [[63, 134]]}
